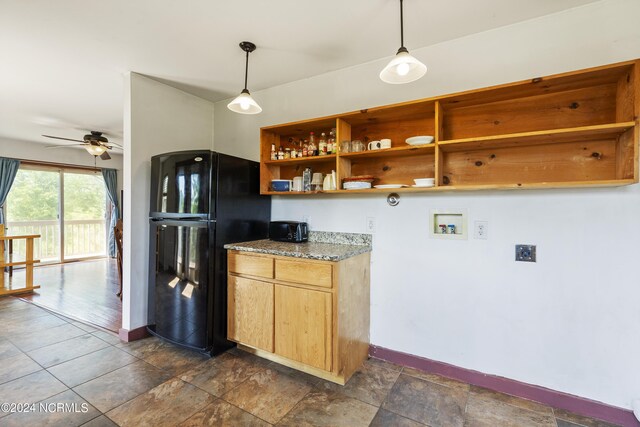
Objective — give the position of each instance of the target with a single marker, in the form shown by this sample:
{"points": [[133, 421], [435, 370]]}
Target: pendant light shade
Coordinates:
{"points": [[244, 103], [403, 68]]}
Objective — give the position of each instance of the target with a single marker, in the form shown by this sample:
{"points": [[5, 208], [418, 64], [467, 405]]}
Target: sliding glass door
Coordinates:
{"points": [[33, 207], [67, 207], [84, 215]]}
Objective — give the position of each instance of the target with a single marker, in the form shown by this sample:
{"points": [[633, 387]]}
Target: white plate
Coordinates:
{"points": [[419, 140], [423, 186], [389, 186]]}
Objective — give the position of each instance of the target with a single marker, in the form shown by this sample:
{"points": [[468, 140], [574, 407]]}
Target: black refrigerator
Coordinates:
{"points": [[200, 200]]}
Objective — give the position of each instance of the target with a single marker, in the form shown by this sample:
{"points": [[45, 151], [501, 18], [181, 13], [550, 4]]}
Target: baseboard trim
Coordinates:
{"points": [[553, 398], [133, 335]]}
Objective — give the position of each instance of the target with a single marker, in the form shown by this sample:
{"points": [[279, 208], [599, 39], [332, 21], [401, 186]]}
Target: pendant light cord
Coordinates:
{"points": [[401, 27], [246, 70]]}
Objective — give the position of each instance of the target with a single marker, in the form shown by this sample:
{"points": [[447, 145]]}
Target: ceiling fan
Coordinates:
{"points": [[94, 143]]}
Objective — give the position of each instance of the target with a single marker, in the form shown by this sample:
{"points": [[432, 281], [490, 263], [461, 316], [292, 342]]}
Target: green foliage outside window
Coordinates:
{"points": [[34, 196]]}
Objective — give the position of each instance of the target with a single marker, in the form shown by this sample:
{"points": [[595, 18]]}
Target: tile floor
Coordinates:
{"points": [[103, 382]]}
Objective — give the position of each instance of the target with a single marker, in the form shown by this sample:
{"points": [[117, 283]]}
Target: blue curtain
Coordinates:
{"points": [[8, 171], [111, 182]]}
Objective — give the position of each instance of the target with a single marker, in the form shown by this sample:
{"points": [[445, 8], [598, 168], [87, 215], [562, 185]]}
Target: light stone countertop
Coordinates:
{"points": [[318, 247]]}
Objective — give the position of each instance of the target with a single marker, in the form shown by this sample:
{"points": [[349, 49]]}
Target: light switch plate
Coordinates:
{"points": [[481, 230], [370, 225]]}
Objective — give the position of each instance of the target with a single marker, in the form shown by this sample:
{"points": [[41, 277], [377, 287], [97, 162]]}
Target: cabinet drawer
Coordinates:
{"points": [[307, 273], [251, 265]]}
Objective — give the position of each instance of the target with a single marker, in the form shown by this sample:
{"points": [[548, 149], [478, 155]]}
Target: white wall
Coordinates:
{"points": [[157, 119], [570, 322]]}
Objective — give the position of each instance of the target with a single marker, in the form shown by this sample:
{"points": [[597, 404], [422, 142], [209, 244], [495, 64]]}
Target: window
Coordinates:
{"points": [[67, 207]]}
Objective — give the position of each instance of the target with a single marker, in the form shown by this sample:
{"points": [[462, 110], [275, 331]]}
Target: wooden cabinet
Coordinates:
{"points": [[575, 129], [312, 315], [303, 326], [249, 265], [250, 312], [318, 274]]}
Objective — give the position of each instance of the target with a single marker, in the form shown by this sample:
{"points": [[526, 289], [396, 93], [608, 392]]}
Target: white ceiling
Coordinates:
{"points": [[62, 62]]}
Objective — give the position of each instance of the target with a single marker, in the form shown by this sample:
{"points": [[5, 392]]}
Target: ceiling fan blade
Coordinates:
{"points": [[64, 146], [115, 144], [64, 139], [105, 156]]}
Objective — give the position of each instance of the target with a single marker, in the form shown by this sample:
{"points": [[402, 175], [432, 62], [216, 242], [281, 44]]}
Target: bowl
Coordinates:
{"points": [[424, 182], [355, 185], [280, 185]]}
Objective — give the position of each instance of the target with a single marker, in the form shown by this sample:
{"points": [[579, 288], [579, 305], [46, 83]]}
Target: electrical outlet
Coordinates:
{"points": [[370, 225], [481, 230], [526, 253]]}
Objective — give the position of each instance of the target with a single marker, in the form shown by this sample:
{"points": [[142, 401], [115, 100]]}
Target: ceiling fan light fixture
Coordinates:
{"points": [[95, 150], [244, 103], [403, 68]]}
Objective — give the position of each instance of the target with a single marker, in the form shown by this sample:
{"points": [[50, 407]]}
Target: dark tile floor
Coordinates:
{"points": [[84, 376]]}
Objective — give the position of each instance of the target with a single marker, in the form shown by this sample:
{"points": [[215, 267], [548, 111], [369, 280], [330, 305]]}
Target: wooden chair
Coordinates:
{"points": [[117, 234]]}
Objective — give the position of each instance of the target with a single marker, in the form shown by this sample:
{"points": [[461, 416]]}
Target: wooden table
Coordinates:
{"points": [[7, 260]]}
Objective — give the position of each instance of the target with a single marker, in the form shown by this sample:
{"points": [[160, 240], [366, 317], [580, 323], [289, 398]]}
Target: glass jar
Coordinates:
{"points": [[345, 146]]}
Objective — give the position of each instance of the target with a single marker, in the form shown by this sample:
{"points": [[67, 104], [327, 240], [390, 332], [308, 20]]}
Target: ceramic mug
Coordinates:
{"points": [[385, 143], [297, 183], [374, 145]]}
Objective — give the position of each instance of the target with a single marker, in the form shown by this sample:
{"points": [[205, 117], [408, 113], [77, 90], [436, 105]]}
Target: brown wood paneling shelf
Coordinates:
{"points": [[576, 129], [585, 133], [313, 159], [409, 150]]}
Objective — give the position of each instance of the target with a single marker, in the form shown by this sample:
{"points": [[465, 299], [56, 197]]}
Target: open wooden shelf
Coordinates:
{"points": [[16, 284], [407, 150], [292, 193], [576, 129], [310, 159], [554, 136], [14, 260], [8, 285], [479, 187]]}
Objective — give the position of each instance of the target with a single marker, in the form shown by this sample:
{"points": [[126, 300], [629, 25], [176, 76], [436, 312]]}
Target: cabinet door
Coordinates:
{"points": [[303, 326], [250, 312]]}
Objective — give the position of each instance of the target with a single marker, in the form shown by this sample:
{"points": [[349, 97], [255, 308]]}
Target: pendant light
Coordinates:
{"points": [[403, 68], [244, 103]]}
